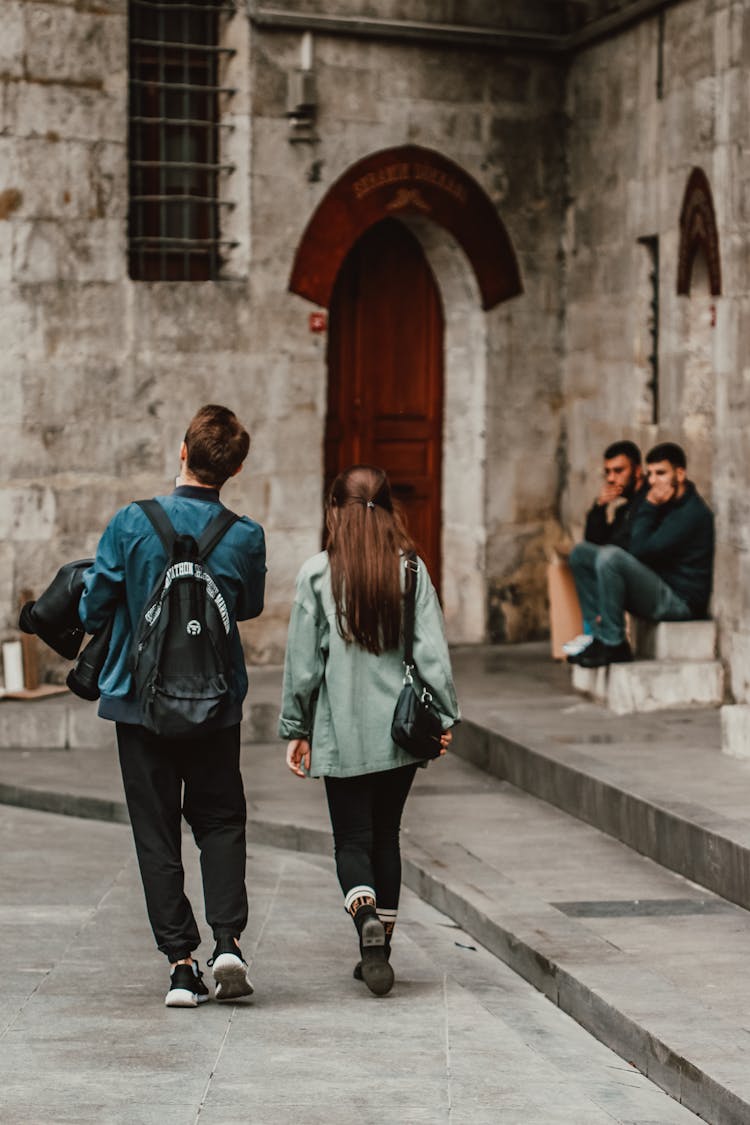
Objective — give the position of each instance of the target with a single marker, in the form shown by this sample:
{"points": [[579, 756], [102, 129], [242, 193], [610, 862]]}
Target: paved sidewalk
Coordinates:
{"points": [[650, 962], [84, 1035]]}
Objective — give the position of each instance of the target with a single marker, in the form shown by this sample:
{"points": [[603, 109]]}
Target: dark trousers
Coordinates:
{"points": [[166, 778], [366, 819]]}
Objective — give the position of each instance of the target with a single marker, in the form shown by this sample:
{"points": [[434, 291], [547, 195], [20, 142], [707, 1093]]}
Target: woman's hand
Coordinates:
{"points": [[445, 740], [298, 756]]}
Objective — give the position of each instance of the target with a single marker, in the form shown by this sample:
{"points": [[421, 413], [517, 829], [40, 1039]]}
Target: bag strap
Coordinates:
{"points": [[160, 522], [164, 528], [410, 594], [215, 531]]}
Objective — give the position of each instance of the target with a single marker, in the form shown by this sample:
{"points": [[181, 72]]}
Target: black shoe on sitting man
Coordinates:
{"points": [[599, 655]]}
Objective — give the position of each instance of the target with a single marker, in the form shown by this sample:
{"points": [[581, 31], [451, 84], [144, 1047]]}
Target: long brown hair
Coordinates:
{"points": [[366, 534]]}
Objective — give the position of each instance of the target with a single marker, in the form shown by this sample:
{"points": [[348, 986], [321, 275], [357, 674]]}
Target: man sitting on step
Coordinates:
{"points": [[609, 519], [666, 572]]}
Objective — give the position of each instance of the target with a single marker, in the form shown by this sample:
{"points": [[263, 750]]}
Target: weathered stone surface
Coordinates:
{"points": [[99, 375], [653, 685], [65, 45], [735, 730], [12, 39], [674, 640]]}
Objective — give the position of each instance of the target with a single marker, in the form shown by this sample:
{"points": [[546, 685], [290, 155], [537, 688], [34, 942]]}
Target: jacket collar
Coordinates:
{"points": [[195, 492]]}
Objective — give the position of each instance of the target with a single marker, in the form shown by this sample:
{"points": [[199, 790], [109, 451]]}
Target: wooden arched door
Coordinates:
{"points": [[385, 375]]}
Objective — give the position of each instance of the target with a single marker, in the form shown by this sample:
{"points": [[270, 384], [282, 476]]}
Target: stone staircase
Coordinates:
{"points": [[675, 666]]}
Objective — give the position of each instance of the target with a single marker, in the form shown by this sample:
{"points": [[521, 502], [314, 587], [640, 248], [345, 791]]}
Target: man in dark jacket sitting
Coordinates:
{"points": [[666, 572], [610, 517]]}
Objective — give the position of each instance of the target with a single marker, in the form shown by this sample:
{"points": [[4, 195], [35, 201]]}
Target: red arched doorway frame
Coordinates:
{"points": [[698, 231], [408, 180]]}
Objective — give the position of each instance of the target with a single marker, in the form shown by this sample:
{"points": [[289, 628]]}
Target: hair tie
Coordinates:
{"points": [[370, 504]]}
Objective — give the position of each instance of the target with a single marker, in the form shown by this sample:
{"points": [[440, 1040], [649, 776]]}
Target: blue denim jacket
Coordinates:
{"points": [[129, 561]]}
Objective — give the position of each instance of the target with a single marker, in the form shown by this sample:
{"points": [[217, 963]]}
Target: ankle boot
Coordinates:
{"points": [[357, 971], [375, 968], [388, 925]]}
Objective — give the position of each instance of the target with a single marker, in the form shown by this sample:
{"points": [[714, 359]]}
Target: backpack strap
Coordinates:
{"points": [[216, 530], [163, 527], [160, 522]]}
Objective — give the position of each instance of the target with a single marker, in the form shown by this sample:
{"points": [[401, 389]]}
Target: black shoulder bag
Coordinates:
{"points": [[416, 725]]}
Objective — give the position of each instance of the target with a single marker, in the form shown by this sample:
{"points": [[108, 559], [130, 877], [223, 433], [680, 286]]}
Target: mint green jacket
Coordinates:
{"points": [[339, 696]]}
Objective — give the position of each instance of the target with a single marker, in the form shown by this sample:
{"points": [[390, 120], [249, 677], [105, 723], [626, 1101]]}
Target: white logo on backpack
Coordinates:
{"points": [[193, 628]]}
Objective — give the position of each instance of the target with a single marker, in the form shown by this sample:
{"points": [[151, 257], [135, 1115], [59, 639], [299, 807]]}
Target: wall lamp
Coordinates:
{"points": [[302, 102]]}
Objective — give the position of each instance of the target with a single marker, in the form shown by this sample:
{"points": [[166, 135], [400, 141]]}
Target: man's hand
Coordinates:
{"points": [[609, 492], [445, 740], [298, 756], [662, 490]]}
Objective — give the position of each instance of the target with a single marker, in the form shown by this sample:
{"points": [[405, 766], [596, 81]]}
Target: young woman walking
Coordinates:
{"points": [[342, 676]]}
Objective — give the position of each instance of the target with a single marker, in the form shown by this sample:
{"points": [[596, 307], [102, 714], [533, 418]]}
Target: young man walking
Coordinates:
{"points": [[666, 572], [197, 776]]}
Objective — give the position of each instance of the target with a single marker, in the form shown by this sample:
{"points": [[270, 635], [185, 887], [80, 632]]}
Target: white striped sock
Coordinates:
{"points": [[361, 891]]}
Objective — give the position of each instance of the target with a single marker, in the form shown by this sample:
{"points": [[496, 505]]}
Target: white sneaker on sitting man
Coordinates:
{"points": [[578, 645]]}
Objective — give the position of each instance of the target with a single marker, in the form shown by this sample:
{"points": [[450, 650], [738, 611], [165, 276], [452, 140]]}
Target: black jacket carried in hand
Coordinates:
{"points": [[616, 533], [676, 540]]}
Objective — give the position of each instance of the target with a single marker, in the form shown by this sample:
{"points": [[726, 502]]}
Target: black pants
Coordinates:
{"points": [[154, 771], [366, 819]]}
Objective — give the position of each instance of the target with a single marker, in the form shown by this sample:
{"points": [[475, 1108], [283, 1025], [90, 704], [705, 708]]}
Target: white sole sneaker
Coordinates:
{"points": [[577, 645], [230, 975], [183, 998]]}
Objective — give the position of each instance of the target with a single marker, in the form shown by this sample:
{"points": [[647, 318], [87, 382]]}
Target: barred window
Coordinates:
{"points": [[176, 175]]}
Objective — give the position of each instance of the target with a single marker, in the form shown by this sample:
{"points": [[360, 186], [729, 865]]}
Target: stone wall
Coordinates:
{"points": [[499, 119], [630, 154], [100, 374]]}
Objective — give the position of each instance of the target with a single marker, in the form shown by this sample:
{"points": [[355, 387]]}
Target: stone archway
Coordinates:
{"points": [[399, 182], [475, 267]]}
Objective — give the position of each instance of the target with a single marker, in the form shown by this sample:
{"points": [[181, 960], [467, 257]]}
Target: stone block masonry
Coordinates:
{"points": [[99, 374]]}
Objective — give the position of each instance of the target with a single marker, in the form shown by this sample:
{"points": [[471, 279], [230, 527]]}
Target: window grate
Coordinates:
{"points": [[176, 171]]}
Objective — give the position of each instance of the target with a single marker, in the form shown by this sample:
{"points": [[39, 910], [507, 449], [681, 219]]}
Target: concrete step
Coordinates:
{"points": [[735, 730], [653, 685], [673, 640], [65, 722]]}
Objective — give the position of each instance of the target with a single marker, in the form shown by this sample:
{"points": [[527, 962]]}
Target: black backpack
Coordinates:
{"points": [[181, 653]]}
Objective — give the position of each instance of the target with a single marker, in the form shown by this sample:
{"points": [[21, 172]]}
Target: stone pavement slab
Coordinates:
{"points": [[658, 782], [86, 1037], [651, 963]]}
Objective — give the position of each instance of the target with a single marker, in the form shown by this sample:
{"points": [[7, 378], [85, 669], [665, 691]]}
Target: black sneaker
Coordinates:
{"points": [[230, 970], [186, 987], [598, 655]]}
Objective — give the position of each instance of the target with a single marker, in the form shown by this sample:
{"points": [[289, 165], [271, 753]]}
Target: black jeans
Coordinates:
{"points": [[366, 819], [154, 771]]}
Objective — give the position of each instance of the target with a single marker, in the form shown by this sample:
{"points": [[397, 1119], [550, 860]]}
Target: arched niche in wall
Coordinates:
{"points": [[699, 279], [698, 233], [400, 182]]}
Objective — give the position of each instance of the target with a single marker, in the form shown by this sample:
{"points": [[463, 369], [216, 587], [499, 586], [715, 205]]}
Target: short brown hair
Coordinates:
{"points": [[217, 444]]}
